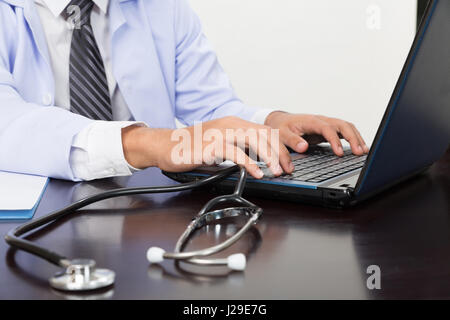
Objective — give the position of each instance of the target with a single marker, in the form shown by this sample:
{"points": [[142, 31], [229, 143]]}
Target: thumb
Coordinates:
{"points": [[295, 142]]}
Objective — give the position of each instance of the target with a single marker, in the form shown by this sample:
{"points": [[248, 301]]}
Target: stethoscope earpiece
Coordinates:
{"points": [[237, 262], [155, 255]]}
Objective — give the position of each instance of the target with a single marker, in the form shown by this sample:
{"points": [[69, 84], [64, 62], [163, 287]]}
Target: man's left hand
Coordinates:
{"points": [[298, 131]]}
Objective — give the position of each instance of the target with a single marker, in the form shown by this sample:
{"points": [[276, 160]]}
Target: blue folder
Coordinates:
{"points": [[22, 214]]}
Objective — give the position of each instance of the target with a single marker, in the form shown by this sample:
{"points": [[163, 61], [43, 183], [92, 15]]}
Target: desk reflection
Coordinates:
{"points": [[296, 251], [406, 233]]}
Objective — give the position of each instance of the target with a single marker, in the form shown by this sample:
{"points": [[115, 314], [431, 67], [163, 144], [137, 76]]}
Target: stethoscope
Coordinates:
{"points": [[83, 274]]}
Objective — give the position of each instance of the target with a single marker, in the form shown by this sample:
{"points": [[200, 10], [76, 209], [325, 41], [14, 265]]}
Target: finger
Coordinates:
{"points": [[361, 139], [258, 139], [238, 156], [268, 150], [294, 141], [350, 135], [281, 153], [286, 160], [330, 133]]}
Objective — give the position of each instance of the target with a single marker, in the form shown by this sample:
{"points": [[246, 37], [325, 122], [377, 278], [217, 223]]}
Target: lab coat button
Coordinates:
{"points": [[47, 99]]}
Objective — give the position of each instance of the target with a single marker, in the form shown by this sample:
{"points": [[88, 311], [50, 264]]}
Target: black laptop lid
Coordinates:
{"points": [[415, 131]]}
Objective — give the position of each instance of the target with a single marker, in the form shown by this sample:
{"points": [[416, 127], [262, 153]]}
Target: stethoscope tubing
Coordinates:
{"points": [[14, 239], [178, 255], [198, 222]]}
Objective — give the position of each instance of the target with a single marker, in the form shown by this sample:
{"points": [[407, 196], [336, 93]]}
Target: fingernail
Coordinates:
{"points": [[259, 173], [360, 149], [366, 149], [340, 149], [302, 145]]}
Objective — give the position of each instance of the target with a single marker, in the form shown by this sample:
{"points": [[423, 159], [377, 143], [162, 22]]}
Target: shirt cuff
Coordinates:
{"points": [[260, 116], [97, 151]]}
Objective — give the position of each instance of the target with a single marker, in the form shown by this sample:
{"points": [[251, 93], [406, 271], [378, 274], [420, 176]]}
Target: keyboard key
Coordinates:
{"points": [[319, 166]]}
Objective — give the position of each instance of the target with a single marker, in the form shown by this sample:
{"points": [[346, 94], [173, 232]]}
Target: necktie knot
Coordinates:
{"points": [[79, 11]]}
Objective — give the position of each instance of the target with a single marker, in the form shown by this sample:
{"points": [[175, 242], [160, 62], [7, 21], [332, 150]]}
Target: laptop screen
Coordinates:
{"points": [[415, 130]]}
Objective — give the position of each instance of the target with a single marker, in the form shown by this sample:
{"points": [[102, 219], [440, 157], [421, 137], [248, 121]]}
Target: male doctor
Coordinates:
{"points": [[97, 96]]}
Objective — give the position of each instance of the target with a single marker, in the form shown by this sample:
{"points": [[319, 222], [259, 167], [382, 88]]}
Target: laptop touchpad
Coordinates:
{"points": [[346, 182]]}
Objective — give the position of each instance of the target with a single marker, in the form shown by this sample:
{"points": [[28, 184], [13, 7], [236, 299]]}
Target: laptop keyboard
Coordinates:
{"points": [[323, 165]]}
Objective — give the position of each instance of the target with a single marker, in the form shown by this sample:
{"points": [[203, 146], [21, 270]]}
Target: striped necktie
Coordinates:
{"points": [[89, 94]]}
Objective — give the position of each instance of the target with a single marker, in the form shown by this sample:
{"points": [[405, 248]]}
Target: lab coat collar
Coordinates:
{"points": [[117, 18], [16, 3], [57, 6], [32, 17]]}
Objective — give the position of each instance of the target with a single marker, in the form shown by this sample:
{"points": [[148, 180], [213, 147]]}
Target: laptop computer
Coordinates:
{"points": [[414, 133]]}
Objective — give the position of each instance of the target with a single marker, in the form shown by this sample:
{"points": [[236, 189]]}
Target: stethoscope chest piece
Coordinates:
{"points": [[82, 275]]}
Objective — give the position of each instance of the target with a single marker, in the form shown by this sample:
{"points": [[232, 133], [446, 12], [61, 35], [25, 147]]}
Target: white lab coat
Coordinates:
{"points": [[163, 64]]}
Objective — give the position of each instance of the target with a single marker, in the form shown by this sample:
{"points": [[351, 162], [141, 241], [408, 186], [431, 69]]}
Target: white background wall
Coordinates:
{"points": [[334, 57]]}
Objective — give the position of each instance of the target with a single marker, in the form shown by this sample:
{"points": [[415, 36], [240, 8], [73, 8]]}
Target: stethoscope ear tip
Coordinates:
{"points": [[155, 255], [237, 262]]}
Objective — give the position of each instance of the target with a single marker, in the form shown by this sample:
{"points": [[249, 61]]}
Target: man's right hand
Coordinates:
{"points": [[146, 147]]}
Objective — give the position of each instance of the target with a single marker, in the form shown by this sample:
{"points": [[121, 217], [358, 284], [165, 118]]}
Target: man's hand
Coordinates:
{"points": [[146, 147], [299, 131]]}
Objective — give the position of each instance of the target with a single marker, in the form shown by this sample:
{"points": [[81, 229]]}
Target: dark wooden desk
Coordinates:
{"points": [[296, 252]]}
